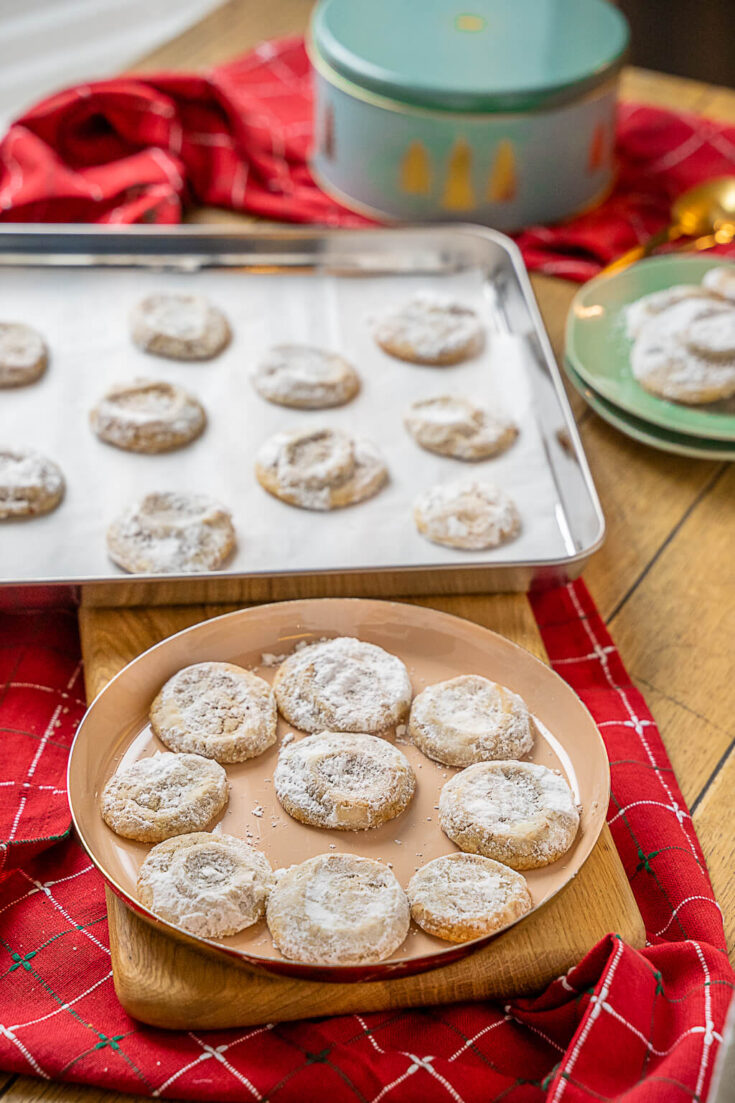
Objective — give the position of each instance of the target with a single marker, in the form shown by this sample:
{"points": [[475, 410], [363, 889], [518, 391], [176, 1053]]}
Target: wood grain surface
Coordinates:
{"points": [[664, 516]]}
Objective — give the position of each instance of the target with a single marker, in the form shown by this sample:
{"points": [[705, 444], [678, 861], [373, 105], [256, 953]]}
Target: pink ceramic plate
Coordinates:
{"points": [[434, 646]]}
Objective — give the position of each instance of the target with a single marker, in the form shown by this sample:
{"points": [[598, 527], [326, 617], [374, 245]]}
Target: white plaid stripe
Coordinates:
{"points": [[568, 1065]]}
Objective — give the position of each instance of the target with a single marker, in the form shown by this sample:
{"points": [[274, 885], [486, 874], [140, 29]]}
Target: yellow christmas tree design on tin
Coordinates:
{"points": [[458, 191]]}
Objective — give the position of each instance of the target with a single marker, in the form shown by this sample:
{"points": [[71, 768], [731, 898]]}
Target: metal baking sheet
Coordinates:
{"points": [[306, 286]]}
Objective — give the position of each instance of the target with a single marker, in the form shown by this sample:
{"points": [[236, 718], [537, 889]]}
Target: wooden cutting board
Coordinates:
{"points": [[168, 984]]}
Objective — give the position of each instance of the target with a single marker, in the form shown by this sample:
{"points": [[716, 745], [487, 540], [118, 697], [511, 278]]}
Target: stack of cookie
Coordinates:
{"points": [[349, 700]]}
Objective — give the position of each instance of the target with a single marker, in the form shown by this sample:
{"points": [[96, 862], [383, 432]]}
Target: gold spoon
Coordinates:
{"points": [[704, 211]]}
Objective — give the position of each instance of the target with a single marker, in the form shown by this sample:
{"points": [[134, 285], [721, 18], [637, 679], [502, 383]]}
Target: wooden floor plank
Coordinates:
{"points": [[27, 1090], [676, 632], [228, 31]]}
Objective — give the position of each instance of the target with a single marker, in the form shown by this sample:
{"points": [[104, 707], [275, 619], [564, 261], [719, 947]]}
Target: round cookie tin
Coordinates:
{"points": [[494, 111]]}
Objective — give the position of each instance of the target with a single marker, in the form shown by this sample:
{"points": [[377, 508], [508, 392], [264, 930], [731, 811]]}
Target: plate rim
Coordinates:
{"points": [[620, 420], [323, 972], [661, 407]]}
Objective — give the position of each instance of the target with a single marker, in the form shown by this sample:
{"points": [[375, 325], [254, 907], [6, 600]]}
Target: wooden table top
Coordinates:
{"points": [[664, 580]]}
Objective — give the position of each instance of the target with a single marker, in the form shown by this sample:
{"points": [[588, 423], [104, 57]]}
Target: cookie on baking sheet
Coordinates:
{"points": [[179, 327], [305, 377], [337, 909], [23, 354], [687, 353], [454, 426], [519, 813], [30, 484], [640, 312], [470, 719], [720, 281], [171, 532], [467, 514], [212, 885], [320, 468], [430, 329], [217, 710], [148, 416], [343, 685], [344, 780], [164, 795], [463, 896]]}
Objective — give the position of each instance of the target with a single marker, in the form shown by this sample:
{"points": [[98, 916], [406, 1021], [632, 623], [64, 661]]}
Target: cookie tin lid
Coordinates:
{"points": [[471, 55]]}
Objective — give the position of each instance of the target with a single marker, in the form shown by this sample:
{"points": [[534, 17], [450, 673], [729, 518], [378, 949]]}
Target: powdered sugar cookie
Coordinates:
{"points": [[23, 355], [217, 710], [337, 909], [180, 327], [454, 426], [429, 329], [305, 377], [148, 416], [518, 813], [463, 896], [640, 312], [343, 685], [171, 532], [211, 885], [344, 780], [468, 514], [687, 353], [720, 281], [30, 484], [320, 468], [167, 794], [470, 719]]}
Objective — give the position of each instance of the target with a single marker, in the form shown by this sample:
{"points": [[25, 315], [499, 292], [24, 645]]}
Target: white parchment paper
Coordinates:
{"points": [[83, 314]]}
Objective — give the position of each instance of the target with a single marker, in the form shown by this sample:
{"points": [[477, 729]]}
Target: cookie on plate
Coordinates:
{"points": [[454, 426], [23, 354], [305, 378], [179, 327], [212, 885], [320, 468], [343, 685], [687, 353], [172, 533], [349, 781], [164, 795], [30, 484], [430, 329], [720, 281], [217, 710], [519, 813], [468, 514], [337, 909], [470, 719], [463, 896], [148, 416], [640, 312]]}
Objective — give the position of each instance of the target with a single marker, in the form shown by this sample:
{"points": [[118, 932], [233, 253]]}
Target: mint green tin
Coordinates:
{"points": [[493, 111]]}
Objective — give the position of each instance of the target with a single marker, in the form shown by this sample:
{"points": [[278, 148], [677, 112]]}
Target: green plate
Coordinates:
{"points": [[646, 433], [598, 348]]}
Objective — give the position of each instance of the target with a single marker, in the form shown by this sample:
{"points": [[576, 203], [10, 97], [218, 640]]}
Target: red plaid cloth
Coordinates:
{"points": [[643, 1026], [137, 149]]}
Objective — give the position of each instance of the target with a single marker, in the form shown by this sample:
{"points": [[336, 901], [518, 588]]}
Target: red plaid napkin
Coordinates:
{"points": [[640, 1025], [137, 149]]}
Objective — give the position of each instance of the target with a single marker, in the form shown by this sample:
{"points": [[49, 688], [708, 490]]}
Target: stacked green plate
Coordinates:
{"points": [[597, 361]]}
